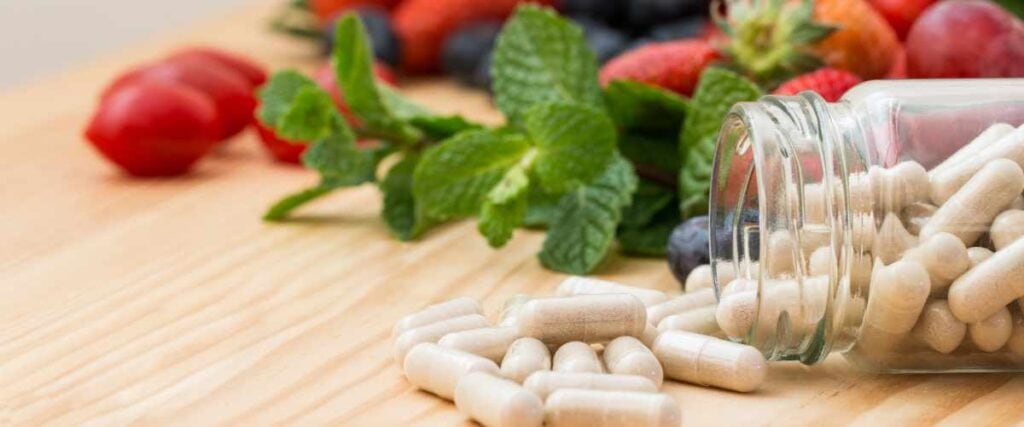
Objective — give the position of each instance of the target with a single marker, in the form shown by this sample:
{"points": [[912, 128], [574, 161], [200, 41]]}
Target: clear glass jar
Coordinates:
{"points": [[847, 226]]}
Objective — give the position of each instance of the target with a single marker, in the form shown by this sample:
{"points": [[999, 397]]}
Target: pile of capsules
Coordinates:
{"points": [[589, 356], [944, 269]]}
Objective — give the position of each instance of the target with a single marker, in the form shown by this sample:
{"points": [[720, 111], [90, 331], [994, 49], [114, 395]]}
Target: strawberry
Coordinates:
{"points": [[423, 25], [830, 83], [773, 41], [674, 65], [964, 39], [864, 44], [326, 10], [901, 14]]}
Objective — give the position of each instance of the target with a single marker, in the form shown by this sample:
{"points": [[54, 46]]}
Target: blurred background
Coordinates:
{"points": [[45, 36]]}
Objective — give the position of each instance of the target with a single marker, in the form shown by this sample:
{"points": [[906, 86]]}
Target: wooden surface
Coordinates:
{"points": [[169, 302]]}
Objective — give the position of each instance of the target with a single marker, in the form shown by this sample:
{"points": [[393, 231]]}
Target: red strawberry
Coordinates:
{"points": [[830, 83], [674, 65], [423, 25], [325, 10], [901, 14], [965, 39]]}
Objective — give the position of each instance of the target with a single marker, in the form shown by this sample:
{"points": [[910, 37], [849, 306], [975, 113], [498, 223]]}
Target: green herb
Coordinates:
{"points": [[557, 164], [717, 91]]}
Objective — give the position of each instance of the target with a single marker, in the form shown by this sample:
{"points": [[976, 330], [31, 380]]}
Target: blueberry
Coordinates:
{"points": [[689, 27], [603, 40], [466, 49], [688, 247], [386, 46], [643, 14], [482, 75], [724, 237], [606, 11]]}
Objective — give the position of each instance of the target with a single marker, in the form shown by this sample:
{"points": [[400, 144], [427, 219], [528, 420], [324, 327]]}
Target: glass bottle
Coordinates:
{"points": [[847, 225]]}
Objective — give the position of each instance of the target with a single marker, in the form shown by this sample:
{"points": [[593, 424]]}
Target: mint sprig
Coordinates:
{"points": [[591, 166]]}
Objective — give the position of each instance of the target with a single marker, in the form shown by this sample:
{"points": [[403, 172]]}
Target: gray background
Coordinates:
{"points": [[40, 37]]}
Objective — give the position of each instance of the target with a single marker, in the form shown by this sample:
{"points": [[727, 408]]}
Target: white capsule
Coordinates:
{"points": [[783, 255], [945, 258], [598, 408], [898, 295], [490, 342], [704, 360], [939, 329], [823, 260], [629, 356], [587, 318], [892, 240], [438, 369], [701, 277], [699, 320], [948, 181], [989, 287], [978, 255], [497, 402], [975, 147], [969, 213], [433, 332], [916, 216], [577, 285], [650, 333], [1015, 344], [801, 307], [685, 302], [446, 310], [510, 310], [993, 332], [576, 357], [900, 186], [1006, 228], [524, 357], [546, 382]]}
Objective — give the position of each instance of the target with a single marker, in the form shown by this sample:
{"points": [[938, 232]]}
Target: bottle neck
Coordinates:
{"points": [[785, 220]]}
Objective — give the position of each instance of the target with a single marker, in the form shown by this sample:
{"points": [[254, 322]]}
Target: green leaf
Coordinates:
{"points": [[575, 144], [647, 109], [339, 162], [312, 116], [650, 240], [583, 231], [657, 152], [540, 58], [277, 94], [285, 206], [454, 177], [443, 127], [717, 91], [403, 108], [542, 208], [648, 200], [505, 207], [400, 211], [353, 64]]}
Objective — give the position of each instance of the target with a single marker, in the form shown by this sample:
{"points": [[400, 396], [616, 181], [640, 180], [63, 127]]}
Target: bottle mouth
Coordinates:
{"points": [[774, 183]]}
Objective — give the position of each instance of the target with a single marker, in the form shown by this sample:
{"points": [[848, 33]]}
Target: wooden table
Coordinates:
{"points": [[168, 301]]}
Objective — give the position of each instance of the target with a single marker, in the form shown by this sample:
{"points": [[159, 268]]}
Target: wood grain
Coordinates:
{"points": [[168, 302]]}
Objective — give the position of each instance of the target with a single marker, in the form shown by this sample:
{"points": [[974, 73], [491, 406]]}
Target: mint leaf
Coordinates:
{"points": [[540, 58], [575, 143], [717, 91], [654, 152], [505, 207], [454, 177], [400, 212], [312, 116], [339, 162], [277, 94], [650, 240], [542, 208], [285, 206], [353, 65], [583, 231], [442, 127], [648, 201], [648, 109]]}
